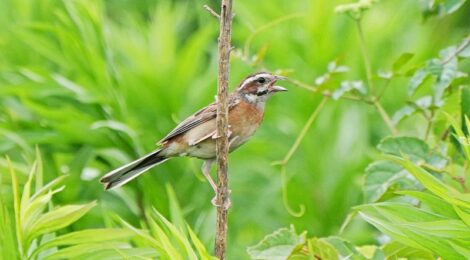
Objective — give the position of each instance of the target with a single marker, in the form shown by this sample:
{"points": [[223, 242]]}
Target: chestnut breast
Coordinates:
{"points": [[244, 119]]}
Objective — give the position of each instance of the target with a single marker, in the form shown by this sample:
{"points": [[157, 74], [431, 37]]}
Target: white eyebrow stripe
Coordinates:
{"points": [[254, 77]]}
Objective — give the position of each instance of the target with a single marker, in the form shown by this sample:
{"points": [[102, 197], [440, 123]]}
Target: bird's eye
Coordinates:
{"points": [[261, 80]]}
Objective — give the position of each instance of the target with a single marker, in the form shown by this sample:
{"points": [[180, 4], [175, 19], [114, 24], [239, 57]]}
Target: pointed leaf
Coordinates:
{"points": [[58, 218], [447, 74], [433, 202], [417, 80], [36, 207], [201, 249], [318, 248], [102, 251], [402, 113], [27, 191], [347, 86], [415, 149], [382, 176], [345, 249], [278, 245], [464, 214], [396, 250], [402, 60], [91, 236]]}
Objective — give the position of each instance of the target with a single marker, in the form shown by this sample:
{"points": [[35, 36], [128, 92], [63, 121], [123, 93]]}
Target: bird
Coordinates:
{"points": [[196, 135]]}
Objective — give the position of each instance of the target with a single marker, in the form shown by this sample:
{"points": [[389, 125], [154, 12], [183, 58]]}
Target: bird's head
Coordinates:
{"points": [[258, 87]]}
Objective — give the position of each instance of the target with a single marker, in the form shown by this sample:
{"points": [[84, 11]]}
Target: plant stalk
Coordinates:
{"points": [[365, 55], [222, 144], [386, 118]]}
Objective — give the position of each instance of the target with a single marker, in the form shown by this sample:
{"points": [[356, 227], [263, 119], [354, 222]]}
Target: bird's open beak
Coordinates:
{"points": [[274, 89], [277, 89]]}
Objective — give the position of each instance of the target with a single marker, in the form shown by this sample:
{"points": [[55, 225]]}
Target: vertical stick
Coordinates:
{"points": [[222, 127]]}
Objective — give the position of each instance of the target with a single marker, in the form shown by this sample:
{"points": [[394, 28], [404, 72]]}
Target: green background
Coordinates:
{"points": [[94, 84]]}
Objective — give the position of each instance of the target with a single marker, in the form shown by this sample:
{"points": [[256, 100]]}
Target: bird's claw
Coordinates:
{"points": [[226, 205]]}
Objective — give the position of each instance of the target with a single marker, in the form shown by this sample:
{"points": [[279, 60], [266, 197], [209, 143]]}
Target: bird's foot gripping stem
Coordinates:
{"points": [[227, 203]]}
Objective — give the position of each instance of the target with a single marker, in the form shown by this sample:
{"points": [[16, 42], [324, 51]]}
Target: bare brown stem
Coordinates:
{"points": [[222, 145]]}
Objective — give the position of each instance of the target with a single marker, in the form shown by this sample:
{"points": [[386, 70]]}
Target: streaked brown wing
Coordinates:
{"points": [[200, 117]]}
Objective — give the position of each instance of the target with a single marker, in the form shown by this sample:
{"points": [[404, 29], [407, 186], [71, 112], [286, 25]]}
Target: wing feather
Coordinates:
{"points": [[203, 115]]}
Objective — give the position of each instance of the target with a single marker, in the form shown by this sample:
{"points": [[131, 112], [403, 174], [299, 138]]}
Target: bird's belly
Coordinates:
{"points": [[203, 150], [206, 149]]}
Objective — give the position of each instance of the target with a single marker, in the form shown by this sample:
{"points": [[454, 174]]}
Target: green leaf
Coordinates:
{"points": [[396, 250], [415, 149], [8, 243], [402, 113], [417, 80], [201, 250], [115, 126], [433, 184], [371, 252], [417, 228], [464, 214], [382, 176], [440, 8], [372, 214], [48, 187], [355, 10], [16, 206], [460, 135], [447, 74], [318, 248], [401, 61], [143, 234], [465, 108], [102, 251], [432, 202], [345, 249], [36, 207], [385, 74], [90, 236], [451, 6], [347, 86], [163, 240], [334, 68], [423, 103], [446, 229], [278, 245], [27, 190], [463, 250], [445, 70], [176, 214], [175, 234], [58, 218]]}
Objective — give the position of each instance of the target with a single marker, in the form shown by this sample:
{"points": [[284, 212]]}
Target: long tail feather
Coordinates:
{"points": [[128, 172]]}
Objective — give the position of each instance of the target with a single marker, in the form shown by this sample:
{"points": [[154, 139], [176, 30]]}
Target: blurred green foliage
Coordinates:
{"points": [[94, 84]]}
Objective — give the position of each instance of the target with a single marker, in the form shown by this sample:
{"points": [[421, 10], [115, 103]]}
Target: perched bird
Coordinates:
{"points": [[195, 136]]}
